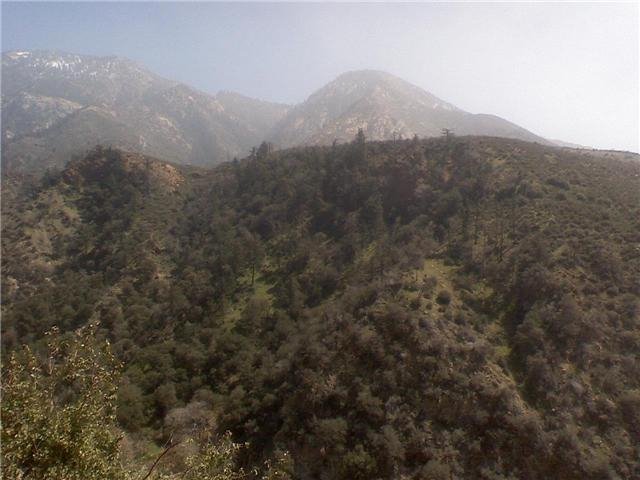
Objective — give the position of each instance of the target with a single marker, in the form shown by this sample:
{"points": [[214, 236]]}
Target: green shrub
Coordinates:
{"points": [[58, 412], [443, 297]]}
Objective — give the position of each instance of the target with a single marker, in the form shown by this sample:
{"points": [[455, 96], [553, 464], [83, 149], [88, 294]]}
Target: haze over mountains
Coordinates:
{"points": [[59, 105], [385, 107]]}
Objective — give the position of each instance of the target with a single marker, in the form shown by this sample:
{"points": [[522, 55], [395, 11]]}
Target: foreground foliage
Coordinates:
{"points": [[58, 412], [58, 420]]}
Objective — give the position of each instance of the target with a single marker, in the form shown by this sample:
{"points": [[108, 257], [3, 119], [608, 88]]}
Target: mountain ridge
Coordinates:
{"points": [[160, 117], [135, 109]]}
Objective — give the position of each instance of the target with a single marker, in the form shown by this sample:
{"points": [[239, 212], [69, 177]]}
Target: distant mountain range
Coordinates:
{"points": [[59, 105]]}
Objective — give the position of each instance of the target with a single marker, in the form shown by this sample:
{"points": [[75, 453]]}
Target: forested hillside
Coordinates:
{"points": [[452, 308]]}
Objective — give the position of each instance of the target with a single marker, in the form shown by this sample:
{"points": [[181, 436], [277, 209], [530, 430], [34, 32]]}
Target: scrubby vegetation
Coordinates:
{"points": [[58, 415], [449, 308]]}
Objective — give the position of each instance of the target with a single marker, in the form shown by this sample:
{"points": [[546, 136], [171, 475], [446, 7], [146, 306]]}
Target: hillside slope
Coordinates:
{"points": [[435, 309]]}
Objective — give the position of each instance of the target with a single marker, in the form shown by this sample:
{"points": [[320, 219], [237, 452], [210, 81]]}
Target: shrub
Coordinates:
{"points": [[443, 297], [357, 464], [58, 414], [556, 182], [434, 470], [414, 303], [428, 285]]}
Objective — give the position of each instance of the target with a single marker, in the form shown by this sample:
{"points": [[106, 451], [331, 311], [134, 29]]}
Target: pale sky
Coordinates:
{"points": [[566, 71]]}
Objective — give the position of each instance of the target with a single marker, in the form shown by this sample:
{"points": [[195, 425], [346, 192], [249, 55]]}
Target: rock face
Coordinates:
{"points": [[385, 107], [56, 106]]}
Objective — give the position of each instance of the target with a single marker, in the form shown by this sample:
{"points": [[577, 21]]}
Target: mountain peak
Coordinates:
{"points": [[60, 59], [369, 79], [39, 68], [367, 74], [384, 106]]}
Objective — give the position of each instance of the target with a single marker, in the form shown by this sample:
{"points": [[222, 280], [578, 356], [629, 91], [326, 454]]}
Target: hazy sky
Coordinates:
{"points": [[565, 71]]}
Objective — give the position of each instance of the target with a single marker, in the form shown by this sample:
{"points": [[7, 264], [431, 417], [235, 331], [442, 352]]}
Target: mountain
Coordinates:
{"points": [[259, 115], [57, 105], [385, 107], [462, 307], [561, 143]]}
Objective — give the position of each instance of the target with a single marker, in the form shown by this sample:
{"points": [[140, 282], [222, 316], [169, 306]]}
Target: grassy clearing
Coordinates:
{"points": [[417, 283], [260, 290]]}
